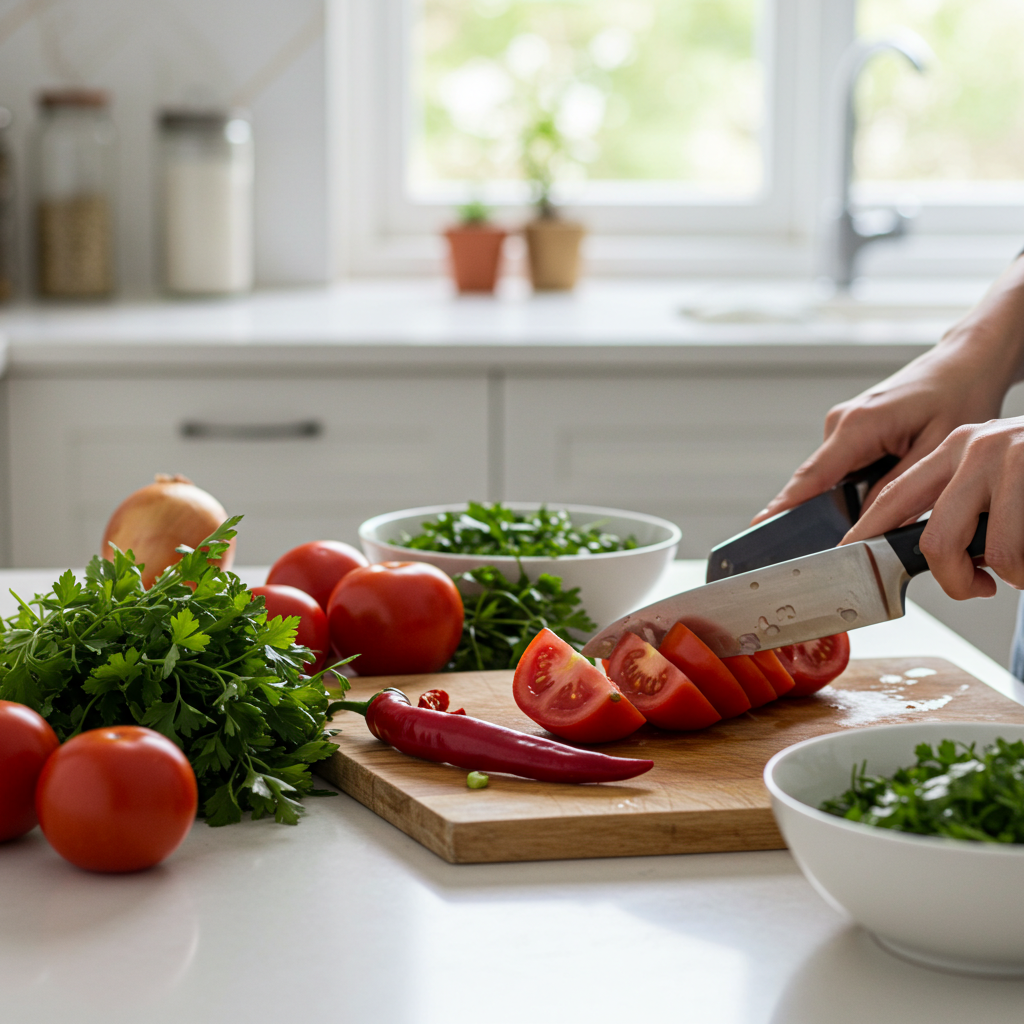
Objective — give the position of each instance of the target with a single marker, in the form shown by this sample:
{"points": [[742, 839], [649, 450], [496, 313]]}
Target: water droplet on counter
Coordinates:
{"points": [[749, 643], [762, 623], [786, 612], [772, 630], [753, 586], [846, 614]]}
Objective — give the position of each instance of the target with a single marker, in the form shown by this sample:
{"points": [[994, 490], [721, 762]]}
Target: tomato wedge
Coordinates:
{"points": [[560, 690], [660, 690], [754, 682], [774, 671], [816, 663], [700, 664]]}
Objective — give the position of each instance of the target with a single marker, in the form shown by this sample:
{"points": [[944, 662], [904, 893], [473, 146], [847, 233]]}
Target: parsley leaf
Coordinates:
{"points": [[194, 658]]}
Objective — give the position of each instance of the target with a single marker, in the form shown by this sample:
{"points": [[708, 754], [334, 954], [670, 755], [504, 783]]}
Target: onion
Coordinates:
{"points": [[154, 520]]}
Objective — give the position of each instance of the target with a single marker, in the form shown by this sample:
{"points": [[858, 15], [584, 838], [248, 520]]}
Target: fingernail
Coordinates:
{"points": [[763, 512]]}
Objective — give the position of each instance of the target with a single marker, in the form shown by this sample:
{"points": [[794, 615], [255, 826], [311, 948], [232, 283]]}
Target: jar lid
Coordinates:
{"points": [[191, 118], [50, 98]]}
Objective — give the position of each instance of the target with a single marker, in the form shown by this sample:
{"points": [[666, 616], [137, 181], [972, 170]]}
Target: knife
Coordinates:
{"points": [[814, 525], [802, 599]]}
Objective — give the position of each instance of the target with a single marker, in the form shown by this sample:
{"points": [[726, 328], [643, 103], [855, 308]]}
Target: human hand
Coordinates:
{"points": [[962, 380], [979, 467]]}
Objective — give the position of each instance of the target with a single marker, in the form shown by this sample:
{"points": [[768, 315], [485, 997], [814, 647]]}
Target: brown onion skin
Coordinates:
{"points": [[155, 519]]}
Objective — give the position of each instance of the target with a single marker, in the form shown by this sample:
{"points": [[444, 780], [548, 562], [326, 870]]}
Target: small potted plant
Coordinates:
{"points": [[552, 243], [474, 247]]}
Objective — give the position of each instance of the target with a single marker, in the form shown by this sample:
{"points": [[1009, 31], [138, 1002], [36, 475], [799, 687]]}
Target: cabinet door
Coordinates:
{"points": [[302, 459], [704, 452]]}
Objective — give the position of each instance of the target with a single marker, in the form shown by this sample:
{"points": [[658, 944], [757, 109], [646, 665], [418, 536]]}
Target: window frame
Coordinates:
{"points": [[381, 231]]}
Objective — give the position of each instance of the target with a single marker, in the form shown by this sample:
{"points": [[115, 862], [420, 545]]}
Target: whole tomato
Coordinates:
{"points": [[399, 617], [312, 632], [116, 799], [26, 741], [316, 567]]}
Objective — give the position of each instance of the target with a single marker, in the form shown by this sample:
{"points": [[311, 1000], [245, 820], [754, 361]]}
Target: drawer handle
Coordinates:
{"points": [[197, 430]]}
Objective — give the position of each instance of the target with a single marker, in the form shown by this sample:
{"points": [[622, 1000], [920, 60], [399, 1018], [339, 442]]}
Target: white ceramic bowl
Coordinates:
{"points": [[611, 584], [945, 903]]}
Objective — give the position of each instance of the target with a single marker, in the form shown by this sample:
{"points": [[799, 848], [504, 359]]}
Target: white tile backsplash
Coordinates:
{"points": [[267, 55]]}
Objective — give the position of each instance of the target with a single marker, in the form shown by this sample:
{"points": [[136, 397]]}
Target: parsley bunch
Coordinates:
{"points": [[194, 658], [951, 791], [497, 530], [501, 618]]}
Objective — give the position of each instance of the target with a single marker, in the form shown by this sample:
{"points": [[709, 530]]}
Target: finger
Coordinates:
{"points": [[837, 457], [924, 444], [946, 537], [904, 499], [1004, 542]]}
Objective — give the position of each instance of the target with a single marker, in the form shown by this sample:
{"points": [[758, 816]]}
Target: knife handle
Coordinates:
{"points": [[907, 539]]}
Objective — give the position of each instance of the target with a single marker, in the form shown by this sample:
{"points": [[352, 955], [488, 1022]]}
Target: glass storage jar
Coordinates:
{"points": [[207, 200], [75, 197]]}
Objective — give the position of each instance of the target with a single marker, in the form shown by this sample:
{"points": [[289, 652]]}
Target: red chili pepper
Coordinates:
{"points": [[436, 700], [482, 746]]}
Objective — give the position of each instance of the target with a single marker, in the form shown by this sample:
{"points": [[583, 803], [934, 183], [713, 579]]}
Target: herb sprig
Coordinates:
{"points": [[501, 618], [951, 791], [193, 657], [496, 530]]}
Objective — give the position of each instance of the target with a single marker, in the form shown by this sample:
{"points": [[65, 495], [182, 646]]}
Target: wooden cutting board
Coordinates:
{"points": [[704, 794]]}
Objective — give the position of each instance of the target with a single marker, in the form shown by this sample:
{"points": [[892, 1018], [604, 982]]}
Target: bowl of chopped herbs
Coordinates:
{"points": [[613, 558], [917, 832]]}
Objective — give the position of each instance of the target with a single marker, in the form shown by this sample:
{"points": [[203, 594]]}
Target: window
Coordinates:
{"points": [[700, 136]]}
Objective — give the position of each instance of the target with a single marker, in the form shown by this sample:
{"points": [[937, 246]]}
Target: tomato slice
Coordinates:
{"points": [[774, 671], [560, 690], [754, 682], [692, 656], [660, 690], [816, 663]]}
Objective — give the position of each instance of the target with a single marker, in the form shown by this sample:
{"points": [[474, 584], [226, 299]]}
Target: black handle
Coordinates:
{"points": [[197, 430], [906, 543], [856, 485]]}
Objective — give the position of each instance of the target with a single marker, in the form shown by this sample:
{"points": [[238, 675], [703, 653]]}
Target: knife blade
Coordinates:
{"points": [[790, 602], [814, 525]]}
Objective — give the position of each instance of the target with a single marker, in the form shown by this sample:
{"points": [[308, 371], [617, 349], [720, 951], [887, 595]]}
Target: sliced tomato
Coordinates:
{"points": [[754, 682], [560, 690], [816, 663], [774, 671], [660, 690], [704, 668]]}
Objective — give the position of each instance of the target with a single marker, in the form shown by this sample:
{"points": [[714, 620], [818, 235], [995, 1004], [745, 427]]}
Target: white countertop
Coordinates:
{"points": [[345, 918], [633, 323]]}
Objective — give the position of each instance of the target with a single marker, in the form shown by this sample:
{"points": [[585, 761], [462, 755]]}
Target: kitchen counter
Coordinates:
{"points": [[345, 918], [405, 323]]}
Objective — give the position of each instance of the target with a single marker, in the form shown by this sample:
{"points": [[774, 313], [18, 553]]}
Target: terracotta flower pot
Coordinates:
{"points": [[553, 248], [475, 256]]}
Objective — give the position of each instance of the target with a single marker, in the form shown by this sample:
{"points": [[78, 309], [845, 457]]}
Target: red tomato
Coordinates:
{"points": [[312, 632], [560, 690], [399, 617], [816, 663], [754, 682], [316, 567], [692, 656], [774, 671], [116, 799], [659, 690], [26, 741]]}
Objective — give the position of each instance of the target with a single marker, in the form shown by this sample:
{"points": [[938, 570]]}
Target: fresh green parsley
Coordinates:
{"points": [[501, 618], [203, 666], [496, 530], [951, 791]]}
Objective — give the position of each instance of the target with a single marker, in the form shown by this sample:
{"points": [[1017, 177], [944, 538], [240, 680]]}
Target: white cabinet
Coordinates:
{"points": [[301, 458], [705, 451]]}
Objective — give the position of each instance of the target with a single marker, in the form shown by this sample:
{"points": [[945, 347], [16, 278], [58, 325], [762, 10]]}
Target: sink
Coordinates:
{"points": [[786, 303]]}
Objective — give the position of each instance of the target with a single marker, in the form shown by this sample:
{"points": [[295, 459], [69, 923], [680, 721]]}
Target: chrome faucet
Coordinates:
{"points": [[850, 230]]}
